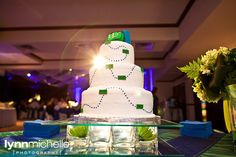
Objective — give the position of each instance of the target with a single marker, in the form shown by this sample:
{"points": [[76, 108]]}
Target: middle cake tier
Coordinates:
{"points": [[117, 74]]}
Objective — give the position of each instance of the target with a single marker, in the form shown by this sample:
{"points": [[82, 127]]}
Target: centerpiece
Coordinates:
{"points": [[214, 76]]}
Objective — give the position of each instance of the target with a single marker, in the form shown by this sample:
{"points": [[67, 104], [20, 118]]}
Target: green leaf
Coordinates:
{"points": [[192, 69], [231, 78], [146, 134], [219, 73], [79, 131]]}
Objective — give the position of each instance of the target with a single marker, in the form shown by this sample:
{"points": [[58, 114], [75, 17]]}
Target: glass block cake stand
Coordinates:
{"points": [[116, 136]]}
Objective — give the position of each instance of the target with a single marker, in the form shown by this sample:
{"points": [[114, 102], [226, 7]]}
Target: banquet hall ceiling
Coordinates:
{"points": [[50, 37]]}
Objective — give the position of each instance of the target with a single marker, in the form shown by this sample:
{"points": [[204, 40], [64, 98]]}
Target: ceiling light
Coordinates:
{"points": [[70, 69], [37, 97], [30, 100], [76, 77], [29, 75]]}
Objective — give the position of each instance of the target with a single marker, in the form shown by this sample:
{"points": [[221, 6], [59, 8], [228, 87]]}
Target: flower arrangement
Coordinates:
{"points": [[212, 72]]}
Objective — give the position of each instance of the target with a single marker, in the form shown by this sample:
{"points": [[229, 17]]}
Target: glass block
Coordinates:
{"points": [[123, 136], [100, 136], [78, 136], [100, 151], [101, 140], [123, 151], [147, 139]]}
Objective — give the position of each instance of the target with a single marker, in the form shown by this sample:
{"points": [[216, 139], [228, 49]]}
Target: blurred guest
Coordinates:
{"points": [[50, 109], [42, 110], [34, 106], [23, 109], [175, 111], [61, 104], [61, 109], [17, 107], [56, 109], [171, 105], [155, 100]]}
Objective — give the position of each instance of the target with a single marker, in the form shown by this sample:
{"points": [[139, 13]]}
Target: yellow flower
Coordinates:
{"points": [[224, 50]]}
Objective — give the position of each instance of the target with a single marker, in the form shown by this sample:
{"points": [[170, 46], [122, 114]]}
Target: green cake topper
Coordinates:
{"points": [[116, 36], [119, 36]]}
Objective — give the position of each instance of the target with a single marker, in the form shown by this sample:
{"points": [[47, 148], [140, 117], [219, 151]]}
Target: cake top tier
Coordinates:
{"points": [[117, 48], [119, 36]]}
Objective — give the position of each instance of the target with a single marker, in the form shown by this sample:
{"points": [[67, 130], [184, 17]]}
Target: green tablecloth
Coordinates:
{"points": [[222, 148]]}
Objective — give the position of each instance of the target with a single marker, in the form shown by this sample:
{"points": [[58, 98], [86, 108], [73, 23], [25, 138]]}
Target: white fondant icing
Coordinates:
{"points": [[113, 52], [116, 116], [118, 102], [109, 77], [122, 96]]}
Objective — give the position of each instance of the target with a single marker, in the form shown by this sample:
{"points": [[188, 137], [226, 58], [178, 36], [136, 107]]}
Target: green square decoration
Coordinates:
{"points": [[102, 91], [109, 66], [142, 69], [121, 77], [107, 42], [125, 51], [139, 106]]}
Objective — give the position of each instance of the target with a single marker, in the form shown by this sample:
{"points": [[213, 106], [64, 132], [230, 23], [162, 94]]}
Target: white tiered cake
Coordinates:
{"points": [[116, 88]]}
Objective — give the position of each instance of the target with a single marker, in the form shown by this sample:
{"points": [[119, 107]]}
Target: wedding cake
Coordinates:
{"points": [[116, 83]]}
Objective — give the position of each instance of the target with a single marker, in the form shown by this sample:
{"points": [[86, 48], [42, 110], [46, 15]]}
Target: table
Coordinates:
{"points": [[222, 148], [8, 117]]}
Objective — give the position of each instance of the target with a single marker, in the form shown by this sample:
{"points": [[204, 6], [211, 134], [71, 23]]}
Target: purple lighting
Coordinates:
{"points": [[148, 79], [9, 77], [78, 92], [151, 78], [145, 78], [149, 47]]}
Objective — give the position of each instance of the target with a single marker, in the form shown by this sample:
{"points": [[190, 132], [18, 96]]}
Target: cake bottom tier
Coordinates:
{"points": [[117, 102]]}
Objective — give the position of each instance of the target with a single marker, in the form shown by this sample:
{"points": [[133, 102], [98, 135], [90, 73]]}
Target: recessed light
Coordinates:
{"points": [[70, 69], [76, 77], [29, 75]]}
